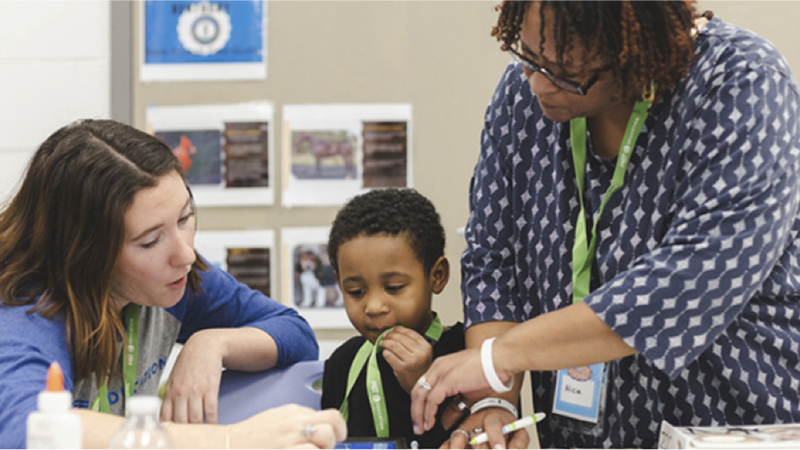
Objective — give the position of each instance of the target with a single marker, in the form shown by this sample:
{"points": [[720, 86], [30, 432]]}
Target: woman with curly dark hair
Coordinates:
{"points": [[633, 235]]}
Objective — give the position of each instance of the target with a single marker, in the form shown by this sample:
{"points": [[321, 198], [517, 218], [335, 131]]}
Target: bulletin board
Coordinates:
{"points": [[437, 57], [420, 73]]}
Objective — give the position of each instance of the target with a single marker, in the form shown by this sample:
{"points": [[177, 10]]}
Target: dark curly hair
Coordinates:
{"points": [[639, 40], [390, 211]]}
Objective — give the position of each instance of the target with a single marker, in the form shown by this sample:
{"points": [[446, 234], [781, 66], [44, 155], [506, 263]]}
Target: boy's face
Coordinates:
{"points": [[384, 284]]}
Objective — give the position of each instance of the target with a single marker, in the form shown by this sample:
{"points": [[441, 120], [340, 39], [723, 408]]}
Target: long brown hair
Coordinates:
{"points": [[640, 40], [62, 233]]}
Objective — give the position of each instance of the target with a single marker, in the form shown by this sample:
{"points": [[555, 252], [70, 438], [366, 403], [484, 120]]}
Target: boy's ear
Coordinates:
{"points": [[440, 274]]}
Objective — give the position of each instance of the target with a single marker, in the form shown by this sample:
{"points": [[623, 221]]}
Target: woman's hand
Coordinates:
{"points": [[193, 387], [289, 426], [491, 420], [449, 375], [409, 355]]}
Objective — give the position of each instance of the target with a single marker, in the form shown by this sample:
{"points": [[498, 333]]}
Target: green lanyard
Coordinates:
{"points": [[368, 354], [583, 254], [131, 353]]}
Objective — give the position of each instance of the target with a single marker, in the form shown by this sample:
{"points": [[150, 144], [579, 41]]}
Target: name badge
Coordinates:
{"points": [[578, 392]]}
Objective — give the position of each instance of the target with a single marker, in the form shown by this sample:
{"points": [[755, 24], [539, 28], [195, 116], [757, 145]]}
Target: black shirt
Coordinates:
{"points": [[398, 402]]}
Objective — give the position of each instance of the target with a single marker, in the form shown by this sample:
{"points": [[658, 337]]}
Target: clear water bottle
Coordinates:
{"points": [[142, 428]]}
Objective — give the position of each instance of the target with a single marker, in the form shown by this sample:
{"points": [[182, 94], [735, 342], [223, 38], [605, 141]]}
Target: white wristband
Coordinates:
{"points": [[492, 402], [488, 369]]}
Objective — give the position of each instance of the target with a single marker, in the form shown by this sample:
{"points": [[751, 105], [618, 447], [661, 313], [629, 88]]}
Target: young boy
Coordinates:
{"points": [[387, 247]]}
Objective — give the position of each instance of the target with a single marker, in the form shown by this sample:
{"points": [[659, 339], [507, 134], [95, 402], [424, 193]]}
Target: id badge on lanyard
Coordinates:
{"points": [[580, 390]]}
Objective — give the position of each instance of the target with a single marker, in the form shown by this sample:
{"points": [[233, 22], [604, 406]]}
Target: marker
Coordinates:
{"points": [[513, 426]]}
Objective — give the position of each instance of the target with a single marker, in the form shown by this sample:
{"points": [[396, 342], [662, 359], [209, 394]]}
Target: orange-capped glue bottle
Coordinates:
{"points": [[53, 425]]}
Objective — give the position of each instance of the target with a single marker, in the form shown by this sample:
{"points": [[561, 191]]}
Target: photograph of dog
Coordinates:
{"points": [[315, 281]]}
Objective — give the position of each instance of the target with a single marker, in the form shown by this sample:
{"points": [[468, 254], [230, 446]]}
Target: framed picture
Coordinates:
{"points": [[247, 255], [226, 151], [334, 152], [201, 40], [309, 282]]}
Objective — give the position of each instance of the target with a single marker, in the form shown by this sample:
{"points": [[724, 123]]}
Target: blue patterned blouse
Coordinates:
{"points": [[697, 258]]}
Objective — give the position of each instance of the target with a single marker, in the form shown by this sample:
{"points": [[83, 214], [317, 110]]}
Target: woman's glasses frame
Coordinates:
{"points": [[567, 85]]}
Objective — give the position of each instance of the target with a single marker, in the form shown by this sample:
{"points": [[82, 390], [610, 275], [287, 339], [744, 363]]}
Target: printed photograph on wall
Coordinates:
{"points": [[201, 40], [226, 151], [308, 280], [324, 155], [248, 256], [200, 154], [334, 152], [314, 279]]}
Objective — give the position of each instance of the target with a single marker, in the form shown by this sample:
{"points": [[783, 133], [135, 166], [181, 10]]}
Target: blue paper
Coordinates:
{"points": [[203, 32]]}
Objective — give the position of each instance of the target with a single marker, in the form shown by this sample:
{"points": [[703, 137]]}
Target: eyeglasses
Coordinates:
{"points": [[567, 85]]}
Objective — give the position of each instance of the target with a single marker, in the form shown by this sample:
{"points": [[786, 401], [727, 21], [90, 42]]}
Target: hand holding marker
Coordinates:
{"points": [[513, 426]]}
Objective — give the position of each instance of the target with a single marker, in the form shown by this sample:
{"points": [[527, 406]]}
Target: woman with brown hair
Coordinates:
{"points": [[97, 254], [633, 236]]}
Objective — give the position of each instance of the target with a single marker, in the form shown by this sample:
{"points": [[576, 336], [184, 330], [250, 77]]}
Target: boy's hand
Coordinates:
{"points": [[409, 354]]}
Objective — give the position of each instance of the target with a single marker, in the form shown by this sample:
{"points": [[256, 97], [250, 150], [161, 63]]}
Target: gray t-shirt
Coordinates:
{"points": [[158, 331]]}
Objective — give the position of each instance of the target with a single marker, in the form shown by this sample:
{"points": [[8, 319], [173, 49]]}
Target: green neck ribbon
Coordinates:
{"points": [[130, 352], [368, 355], [583, 253]]}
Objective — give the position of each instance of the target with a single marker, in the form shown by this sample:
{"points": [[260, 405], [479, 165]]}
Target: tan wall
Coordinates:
{"points": [[774, 20], [437, 56]]}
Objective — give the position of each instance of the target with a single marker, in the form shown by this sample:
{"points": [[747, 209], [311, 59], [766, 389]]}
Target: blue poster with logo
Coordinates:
{"points": [[227, 38]]}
